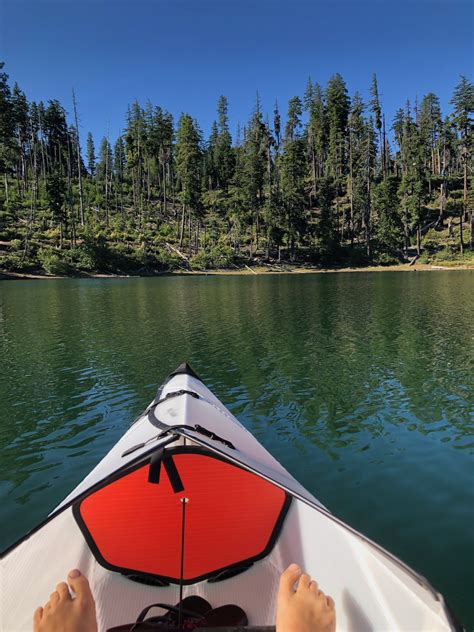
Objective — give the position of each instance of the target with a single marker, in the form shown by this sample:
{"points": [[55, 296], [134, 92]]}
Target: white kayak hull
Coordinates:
{"points": [[371, 588]]}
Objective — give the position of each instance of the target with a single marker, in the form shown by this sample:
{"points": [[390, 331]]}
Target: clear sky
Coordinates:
{"points": [[182, 54]]}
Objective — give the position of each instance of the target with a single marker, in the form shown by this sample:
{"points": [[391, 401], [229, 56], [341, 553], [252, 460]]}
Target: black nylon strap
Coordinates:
{"points": [[173, 474], [155, 467], [154, 471]]}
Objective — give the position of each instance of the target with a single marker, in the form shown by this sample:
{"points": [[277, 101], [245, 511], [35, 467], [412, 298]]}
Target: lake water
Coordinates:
{"points": [[361, 384]]}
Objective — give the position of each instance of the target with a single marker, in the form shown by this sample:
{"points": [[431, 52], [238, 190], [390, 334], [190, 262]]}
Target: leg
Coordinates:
{"points": [[304, 609], [62, 613]]}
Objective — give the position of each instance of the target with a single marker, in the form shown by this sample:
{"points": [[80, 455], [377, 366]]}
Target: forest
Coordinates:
{"points": [[329, 182]]}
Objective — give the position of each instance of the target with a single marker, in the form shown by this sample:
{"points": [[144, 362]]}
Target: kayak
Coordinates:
{"points": [[189, 504]]}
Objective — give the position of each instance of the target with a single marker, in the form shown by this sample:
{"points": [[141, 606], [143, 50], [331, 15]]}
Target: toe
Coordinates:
{"points": [[330, 602], [314, 586], [289, 577], [80, 585], [304, 582], [54, 598], [37, 618], [63, 590]]}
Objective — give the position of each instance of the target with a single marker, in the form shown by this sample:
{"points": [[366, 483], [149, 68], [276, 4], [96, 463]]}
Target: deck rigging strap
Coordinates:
{"points": [[154, 470]]}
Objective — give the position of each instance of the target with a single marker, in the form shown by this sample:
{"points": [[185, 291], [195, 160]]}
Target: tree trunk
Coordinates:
{"points": [[441, 205], [313, 157], [418, 239], [181, 236], [190, 232], [465, 188], [368, 218], [43, 158], [164, 190], [406, 232], [351, 192], [251, 242], [79, 170], [383, 149], [257, 224], [471, 244], [107, 185]]}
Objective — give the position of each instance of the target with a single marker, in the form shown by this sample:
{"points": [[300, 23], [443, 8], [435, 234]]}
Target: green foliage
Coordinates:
{"points": [[380, 258], [167, 261], [388, 226], [220, 256], [188, 154], [83, 259], [53, 262], [448, 256], [328, 186], [16, 262]]}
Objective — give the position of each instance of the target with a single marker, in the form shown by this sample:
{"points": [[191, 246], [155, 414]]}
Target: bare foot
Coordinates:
{"points": [[62, 613], [306, 609]]}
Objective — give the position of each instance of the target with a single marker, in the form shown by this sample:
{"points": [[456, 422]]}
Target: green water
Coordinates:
{"points": [[362, 385]]}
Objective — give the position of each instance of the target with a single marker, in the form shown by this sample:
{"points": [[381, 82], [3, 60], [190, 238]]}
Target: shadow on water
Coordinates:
{"points": [[360, 384]]}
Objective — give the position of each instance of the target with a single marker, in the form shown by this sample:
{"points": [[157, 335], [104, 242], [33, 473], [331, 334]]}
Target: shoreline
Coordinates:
{"points": [[256, 271]]}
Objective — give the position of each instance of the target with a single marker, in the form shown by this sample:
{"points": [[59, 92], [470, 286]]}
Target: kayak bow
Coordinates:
{"points": [[187, 503]]}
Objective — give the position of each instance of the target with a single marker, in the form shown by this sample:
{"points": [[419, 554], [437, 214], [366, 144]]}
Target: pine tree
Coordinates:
{"points": [[254, 171], [237, 202], [90, 151], [293, 170], [356, 182], [211, 166], [463, 102], [277, 126], [273, 210], [337, 108], [21, 122], [326, 232], [6, 124], [79, 160], [56, 134], [104, 175], [188, 168], [338, 105], [56, 192], [224, 159], [376, 109], [119, 170], [316, 133], [430, 127], [387, 225], [135, 147], [364, 191]]}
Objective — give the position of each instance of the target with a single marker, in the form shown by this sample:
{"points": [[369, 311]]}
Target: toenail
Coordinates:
{"points": [[75, 573], [293, 567]]}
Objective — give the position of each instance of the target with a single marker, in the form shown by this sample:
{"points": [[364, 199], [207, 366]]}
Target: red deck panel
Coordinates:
{"points": [[230, 517]]}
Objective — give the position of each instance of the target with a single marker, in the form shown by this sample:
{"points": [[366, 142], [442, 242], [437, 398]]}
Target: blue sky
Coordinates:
{"points": [[182, 54]]}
